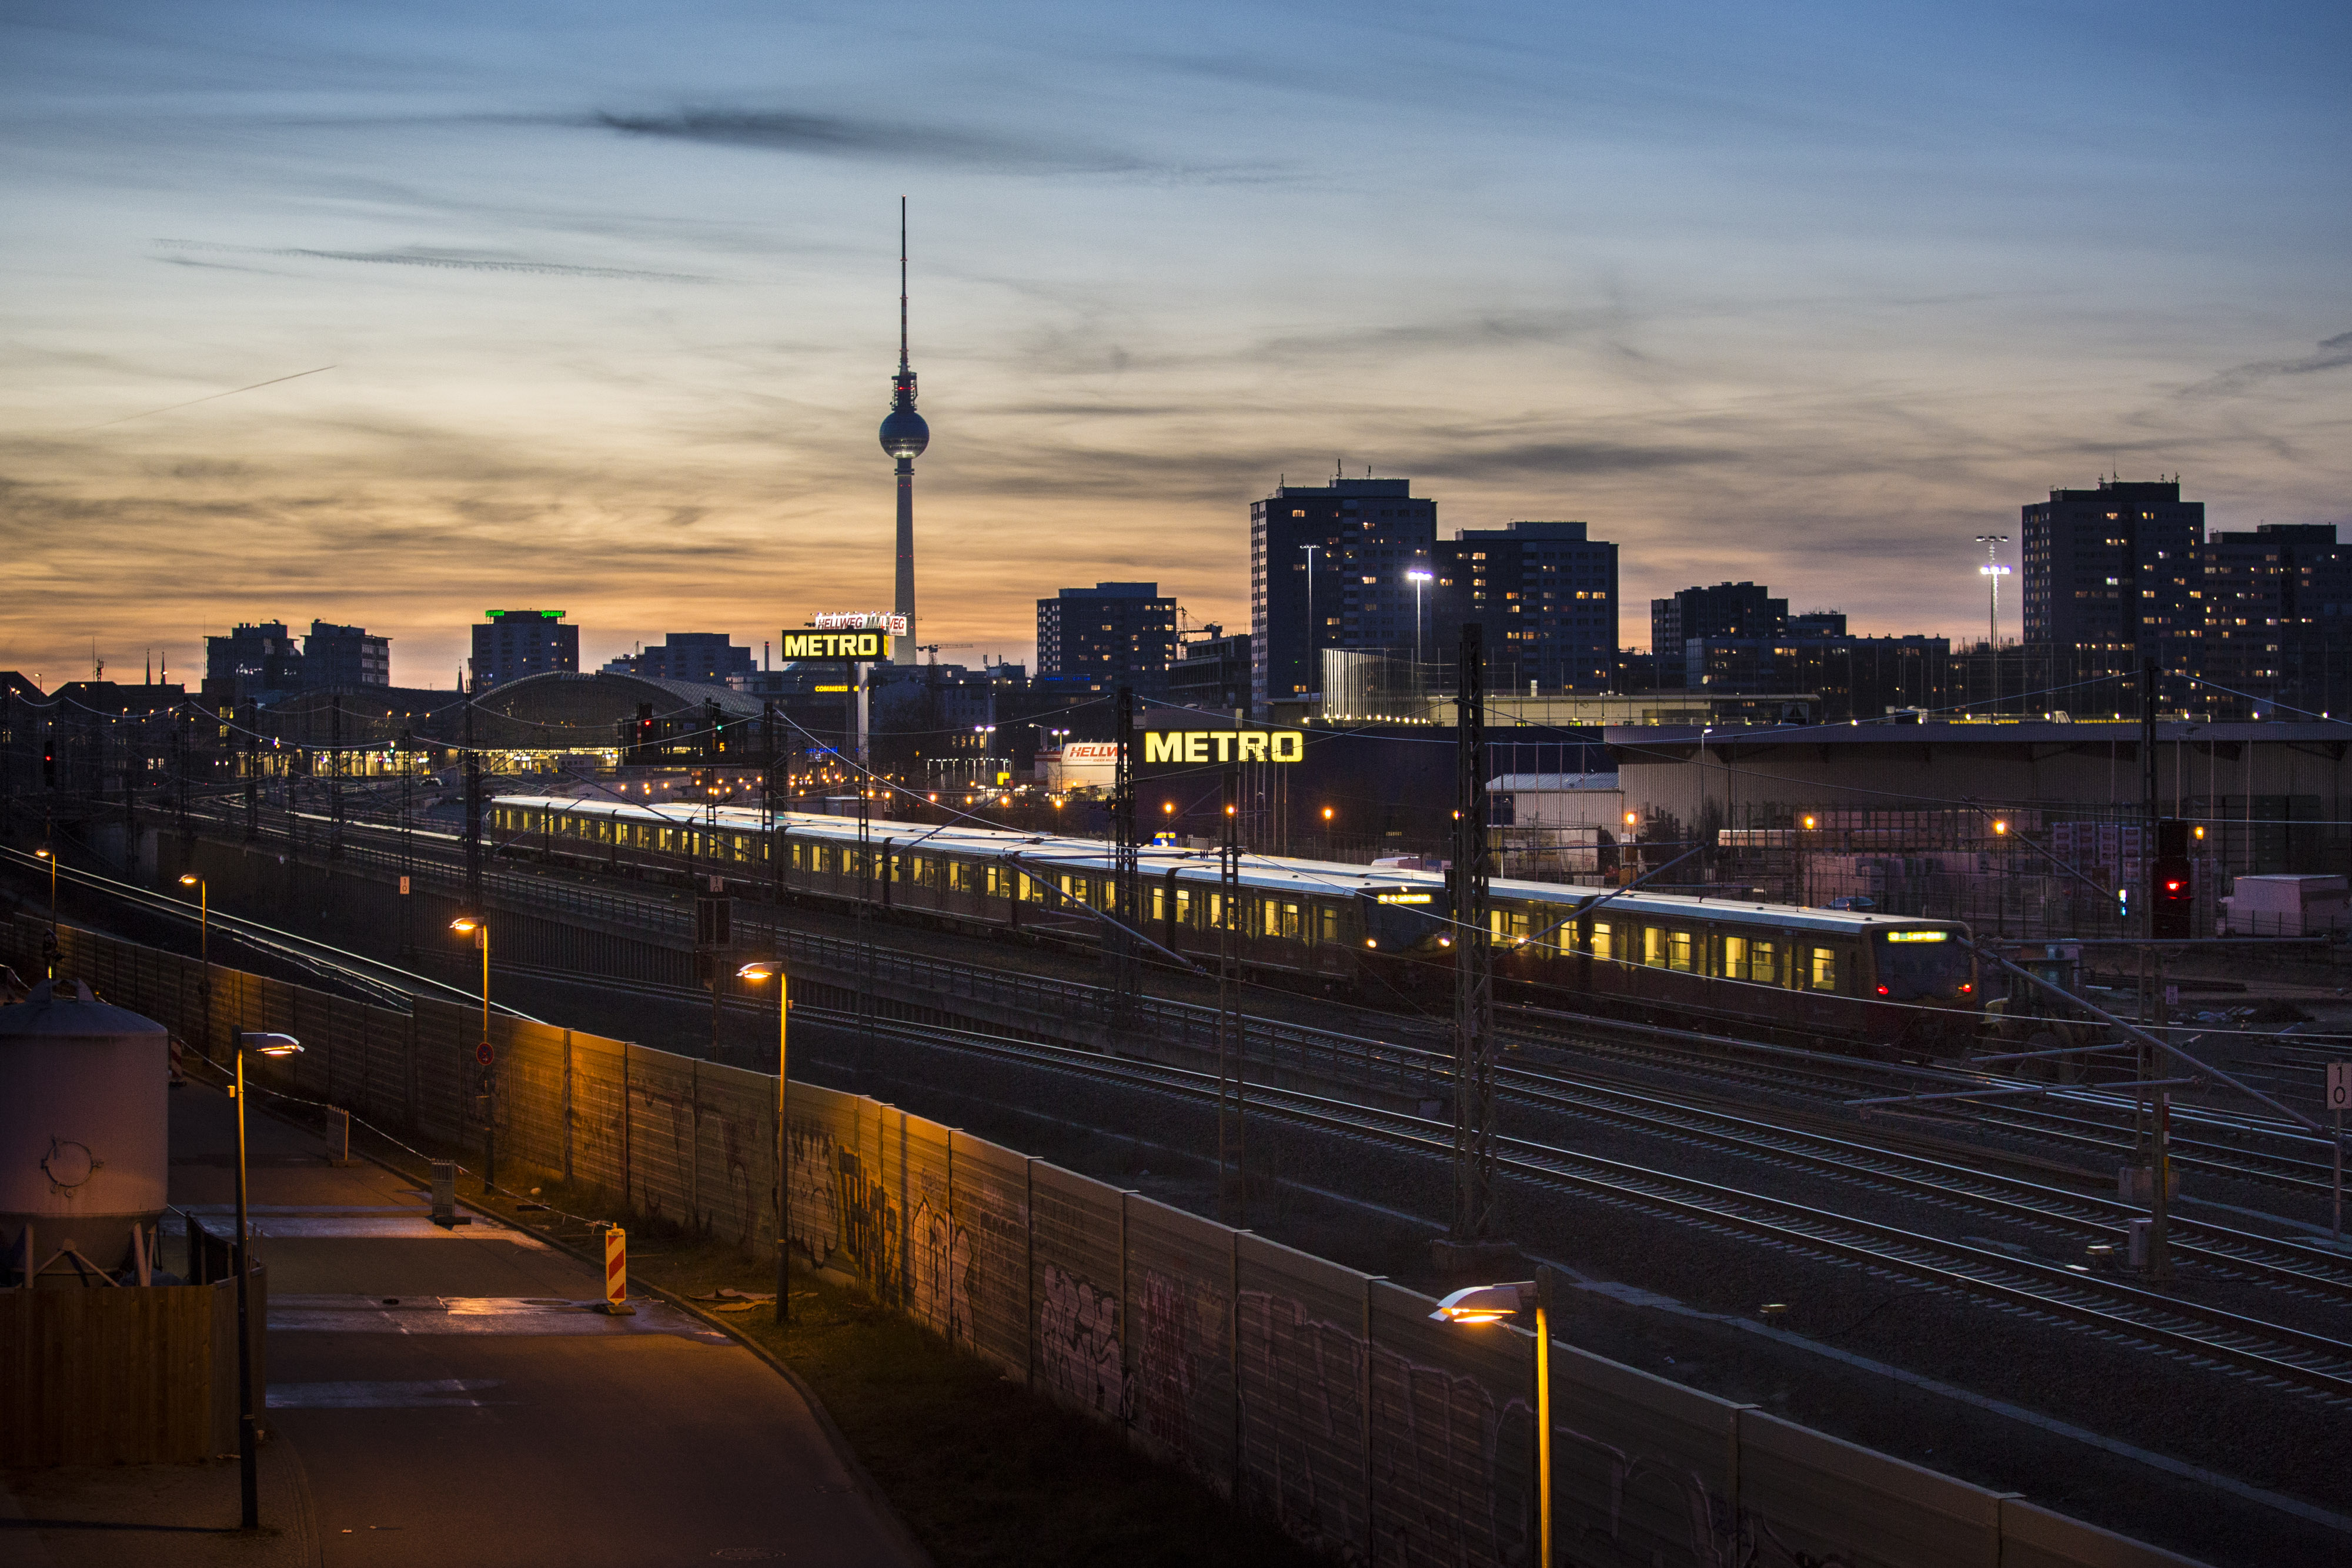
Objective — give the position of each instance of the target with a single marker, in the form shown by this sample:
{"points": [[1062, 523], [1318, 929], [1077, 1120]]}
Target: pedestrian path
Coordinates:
{"points": [[448, 1395]]}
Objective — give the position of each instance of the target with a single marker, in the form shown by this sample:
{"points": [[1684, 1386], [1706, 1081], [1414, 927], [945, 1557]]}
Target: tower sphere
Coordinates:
{"points": [[904, 434]]}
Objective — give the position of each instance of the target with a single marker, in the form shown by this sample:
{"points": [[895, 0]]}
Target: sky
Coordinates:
{"points": [[592, 307]]}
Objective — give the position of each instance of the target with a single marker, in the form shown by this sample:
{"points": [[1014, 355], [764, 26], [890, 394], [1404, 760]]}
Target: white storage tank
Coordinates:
{"points": [[84, 1130]]}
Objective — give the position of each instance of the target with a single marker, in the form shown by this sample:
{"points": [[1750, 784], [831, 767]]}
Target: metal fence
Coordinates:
{"points": [[1320, 1398]]}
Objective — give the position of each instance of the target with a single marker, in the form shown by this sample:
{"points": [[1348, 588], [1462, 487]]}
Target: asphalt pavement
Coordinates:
{"points": [[450, 1395]]}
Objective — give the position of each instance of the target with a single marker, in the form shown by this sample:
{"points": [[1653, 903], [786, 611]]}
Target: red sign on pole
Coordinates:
{"points": [[483, 1054]]}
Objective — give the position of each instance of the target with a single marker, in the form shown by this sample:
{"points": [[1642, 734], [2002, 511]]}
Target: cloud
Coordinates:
{"points": [[2334, 355], [422, 255], [834, 136]]}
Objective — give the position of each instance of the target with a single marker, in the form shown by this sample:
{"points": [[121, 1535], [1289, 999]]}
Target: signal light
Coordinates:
{"points": [[1885, 992]]}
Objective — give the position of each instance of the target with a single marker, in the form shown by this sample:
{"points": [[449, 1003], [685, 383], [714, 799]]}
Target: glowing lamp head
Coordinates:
{"points": [[1485, 1303], [757, 972], [2000, 829], [466, 924], [1327, 813], [1632, 818], [272, 1045], [1808, 824], [190, 879], [41, 854]]}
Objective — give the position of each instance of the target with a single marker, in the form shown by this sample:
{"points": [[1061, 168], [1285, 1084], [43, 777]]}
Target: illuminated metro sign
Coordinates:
{"points": [[1225, 745], [848, 646]]}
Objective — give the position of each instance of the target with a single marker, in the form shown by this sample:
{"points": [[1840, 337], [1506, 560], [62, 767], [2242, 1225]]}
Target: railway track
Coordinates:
{"points": [[2074, 1116], [2275, 1354]]}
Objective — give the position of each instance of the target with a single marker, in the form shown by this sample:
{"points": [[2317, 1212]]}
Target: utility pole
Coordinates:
{"points": [[335, 777], [2152, 1011], [252, 771], [1126, 963], [407, 804], [1473, 975], [1232, 1143], [473, 805], [768, 806]]}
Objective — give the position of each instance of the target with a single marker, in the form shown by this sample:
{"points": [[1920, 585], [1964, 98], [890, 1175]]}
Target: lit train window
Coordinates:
{"points": [[1604, 940], [1678, 951], [1653, 947], [1764, 963], [1328, 923], [1825, 969], [1735, 958]]}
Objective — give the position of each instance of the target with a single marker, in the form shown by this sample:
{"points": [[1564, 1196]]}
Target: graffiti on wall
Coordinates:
{"points": [[1303, 1410], [941, 1272], [811, 1171], [1078, 1353]]}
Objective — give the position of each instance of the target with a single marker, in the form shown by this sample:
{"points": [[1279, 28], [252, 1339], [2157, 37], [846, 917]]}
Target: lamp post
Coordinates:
{"points": [[1417, 578], [1314, 665], [248, 1432], [1493, 1303], [477, 927], [1992, 572], [756, 973], [50, 855], [203, 950]]}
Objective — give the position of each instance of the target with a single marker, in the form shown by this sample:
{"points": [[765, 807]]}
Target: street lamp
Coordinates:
{"points": [[204, 949], [49, 854], [1992, 572], [248, 1432], [756, 973], [1417, 578], [1491, 1304], [477, 927]]}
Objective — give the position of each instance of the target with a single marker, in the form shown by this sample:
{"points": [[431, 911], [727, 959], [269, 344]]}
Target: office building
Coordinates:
{"points": [[698, 658], [1546, 598], [256, 660], [345, 656], [511, 643], [1211, 671], [1725, 609], [1111, 632], [2115, 572], [1341, 566]]}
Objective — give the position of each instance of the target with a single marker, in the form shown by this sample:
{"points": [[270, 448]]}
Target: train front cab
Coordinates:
{"points": [[1890, 988]]}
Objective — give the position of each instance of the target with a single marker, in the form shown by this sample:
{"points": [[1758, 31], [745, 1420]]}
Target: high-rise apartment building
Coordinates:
{"points": [[2115, 573], [1346, 565], [345, 656], [1113, 631], [2278, 617], [1725, 609], [511, 643], [1546, 595]]}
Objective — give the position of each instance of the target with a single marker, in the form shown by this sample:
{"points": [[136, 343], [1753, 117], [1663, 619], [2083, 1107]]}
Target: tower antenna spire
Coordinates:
{"points": [[904, 437]]}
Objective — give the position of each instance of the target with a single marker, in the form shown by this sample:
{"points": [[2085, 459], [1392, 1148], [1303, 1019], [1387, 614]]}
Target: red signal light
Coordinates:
{"points": [[1883, 991], [1965, 989]]}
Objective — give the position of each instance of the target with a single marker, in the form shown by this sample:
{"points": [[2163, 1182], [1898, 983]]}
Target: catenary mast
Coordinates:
{"points": [[904, 437]]}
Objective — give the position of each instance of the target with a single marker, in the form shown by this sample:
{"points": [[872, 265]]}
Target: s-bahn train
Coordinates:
{"points": [[1882, 984]]}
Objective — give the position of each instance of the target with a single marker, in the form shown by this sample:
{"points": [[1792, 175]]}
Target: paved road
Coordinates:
{"points": [[448, 1398]]}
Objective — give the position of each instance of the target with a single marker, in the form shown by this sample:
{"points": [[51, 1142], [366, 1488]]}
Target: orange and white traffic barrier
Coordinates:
{"points": [[616, 1270]]}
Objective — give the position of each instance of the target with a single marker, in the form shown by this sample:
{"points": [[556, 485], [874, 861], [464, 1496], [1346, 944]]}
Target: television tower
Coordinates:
{"points": [[904, 437]]}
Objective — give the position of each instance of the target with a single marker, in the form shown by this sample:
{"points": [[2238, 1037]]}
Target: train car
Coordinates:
{"points": [[1880, 983]]}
